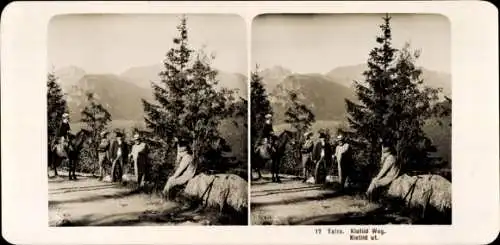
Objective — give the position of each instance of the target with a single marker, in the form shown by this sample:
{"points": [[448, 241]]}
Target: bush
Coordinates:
{"points": [[87, 162], [161, 162], [290, 164]]}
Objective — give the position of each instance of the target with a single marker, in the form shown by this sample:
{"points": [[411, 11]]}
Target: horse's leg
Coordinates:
{"points": [[278, 161], [50, 159], [55, 163], [75, 161], [70, 168], [273, 178], [273, 169], [256, 167]]}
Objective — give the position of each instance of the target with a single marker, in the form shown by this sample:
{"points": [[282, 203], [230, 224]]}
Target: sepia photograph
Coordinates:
{"points": [[181, 122], [351, 119], [147, 120]]}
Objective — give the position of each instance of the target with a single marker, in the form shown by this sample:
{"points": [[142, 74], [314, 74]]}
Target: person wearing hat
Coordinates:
{"points": [[62, 135], [119, 153], [267, 131], [389, 170], [343, 159], [306, 151], [139, 157], [186, 168], [322, 152], [103, 153]]}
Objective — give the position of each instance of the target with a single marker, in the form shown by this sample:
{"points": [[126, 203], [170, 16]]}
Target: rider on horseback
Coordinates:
{"points": [[62, 136], [265, 146], [267, 131]]}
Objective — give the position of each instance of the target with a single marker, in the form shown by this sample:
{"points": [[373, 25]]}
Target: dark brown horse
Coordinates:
{"points": [[279, 144], [73, 150]]}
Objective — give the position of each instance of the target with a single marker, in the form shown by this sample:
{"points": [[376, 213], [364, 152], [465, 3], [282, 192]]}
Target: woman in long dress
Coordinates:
{"points": [[388, 172]]}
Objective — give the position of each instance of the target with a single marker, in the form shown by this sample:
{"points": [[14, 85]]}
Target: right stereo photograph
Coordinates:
{"points": [[350, 119]]}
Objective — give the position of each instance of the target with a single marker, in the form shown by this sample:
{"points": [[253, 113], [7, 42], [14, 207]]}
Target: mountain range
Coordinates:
{"points": [[325, 93], [122, 94]]}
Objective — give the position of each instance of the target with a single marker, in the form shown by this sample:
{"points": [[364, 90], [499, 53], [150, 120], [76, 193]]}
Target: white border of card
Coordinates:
{"points": [[475, 128]]}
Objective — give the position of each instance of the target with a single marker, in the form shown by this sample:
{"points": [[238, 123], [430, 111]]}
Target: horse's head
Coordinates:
{"points": [[83, 136], [289, 136], [284, 138]]}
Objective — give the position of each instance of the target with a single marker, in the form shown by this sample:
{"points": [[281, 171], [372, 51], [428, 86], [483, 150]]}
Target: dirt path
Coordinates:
{"points": [[90, 202], [294, 202]]}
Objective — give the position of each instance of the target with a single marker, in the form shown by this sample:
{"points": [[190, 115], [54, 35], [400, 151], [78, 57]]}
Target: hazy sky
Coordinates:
{"points": [[319, 43], [114, 43]]}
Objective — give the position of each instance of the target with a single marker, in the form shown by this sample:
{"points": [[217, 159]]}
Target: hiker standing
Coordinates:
{"points": [[322, 153], [186, 168], [306, 151], [103, 153], [119, 153], [388, 172], [343, 159], [139, 157]]}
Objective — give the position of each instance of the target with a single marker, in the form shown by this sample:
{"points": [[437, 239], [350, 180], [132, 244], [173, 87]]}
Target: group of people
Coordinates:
{"points": [[342, 157], [118, 153], [114, 151], [339, 156], [322, 152]]}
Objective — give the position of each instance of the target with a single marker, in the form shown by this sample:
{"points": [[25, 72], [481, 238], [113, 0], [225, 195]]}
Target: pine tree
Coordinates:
{"points": [[394, 105], [188, 105], [301, 118], [96, 118], [260, 105], [56, 105], [298, 114], [367, 118], [161, 116], [411, 105]]}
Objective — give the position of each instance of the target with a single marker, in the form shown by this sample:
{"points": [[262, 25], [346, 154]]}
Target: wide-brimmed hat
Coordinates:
{"points": [[308, 133], [340, 137], [65, 115], [322, 134], [136, 136], [268, 116], [103, 133]]}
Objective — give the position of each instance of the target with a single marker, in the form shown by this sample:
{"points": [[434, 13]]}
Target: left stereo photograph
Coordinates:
{"points": [[147, 120]]}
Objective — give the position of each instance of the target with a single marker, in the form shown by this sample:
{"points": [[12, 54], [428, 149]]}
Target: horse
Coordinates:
{"points": [[279, 144], [73, 153]]}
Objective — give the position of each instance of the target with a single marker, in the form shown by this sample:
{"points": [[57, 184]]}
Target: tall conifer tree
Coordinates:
{"points": [[394, 105]]}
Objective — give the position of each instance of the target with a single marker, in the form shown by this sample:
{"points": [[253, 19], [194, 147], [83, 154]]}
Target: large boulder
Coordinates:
{"points": [[422, 190], [219, 190]]}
